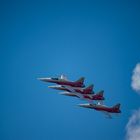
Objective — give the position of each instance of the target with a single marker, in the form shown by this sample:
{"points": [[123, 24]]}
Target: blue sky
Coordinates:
{"points": [[97, 40]]}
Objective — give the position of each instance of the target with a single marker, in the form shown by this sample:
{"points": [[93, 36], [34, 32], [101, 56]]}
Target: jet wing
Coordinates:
{"points": [[90, 95], [90, 101], [69, 88]]}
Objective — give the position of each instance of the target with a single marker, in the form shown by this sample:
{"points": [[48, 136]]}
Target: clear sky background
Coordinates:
{"points": [[99, 40]]}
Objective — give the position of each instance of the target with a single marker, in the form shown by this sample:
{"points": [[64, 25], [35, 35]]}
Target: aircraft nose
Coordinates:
{"points": [[43, 79], [53, 87], [82, 105]]}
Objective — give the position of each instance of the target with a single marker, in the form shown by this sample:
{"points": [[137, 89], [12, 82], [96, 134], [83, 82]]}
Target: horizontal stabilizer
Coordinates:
{"points": [[101, 93], [117, 106]]}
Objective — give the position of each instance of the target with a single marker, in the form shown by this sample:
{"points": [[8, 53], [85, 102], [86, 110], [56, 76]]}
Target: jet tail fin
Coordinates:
{"points": [[88, 89], [100, 93], [81, 80], [117, 106]]}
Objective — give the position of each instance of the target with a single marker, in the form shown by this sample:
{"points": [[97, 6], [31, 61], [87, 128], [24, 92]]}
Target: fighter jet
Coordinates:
{"points": [[77, 89], [106, 110], [86, 90], [88, 97], [64, 81]]}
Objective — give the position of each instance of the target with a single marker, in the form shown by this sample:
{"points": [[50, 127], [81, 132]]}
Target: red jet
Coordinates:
{"points": [[107, 110], [63, 81], [87, 90], [88, 97]]}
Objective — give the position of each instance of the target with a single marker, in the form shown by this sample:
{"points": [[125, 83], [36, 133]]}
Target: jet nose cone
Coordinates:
{"points": [[43, 79], [82, 105], [53, 87], [62, 93]]}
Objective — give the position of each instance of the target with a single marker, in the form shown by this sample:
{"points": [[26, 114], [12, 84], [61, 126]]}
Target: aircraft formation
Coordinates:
{"points": [[77, 89]]}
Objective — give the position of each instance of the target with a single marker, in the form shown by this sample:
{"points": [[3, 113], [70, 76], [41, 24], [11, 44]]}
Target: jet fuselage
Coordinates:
{"points": [[85, 96], [101, 108], [62, 82], [76, 89]]}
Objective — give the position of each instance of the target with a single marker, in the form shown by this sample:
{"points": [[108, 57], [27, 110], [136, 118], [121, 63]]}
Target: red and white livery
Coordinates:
{"points": [[86, 90], [64, 81], [88, 97], [107, 110]]}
